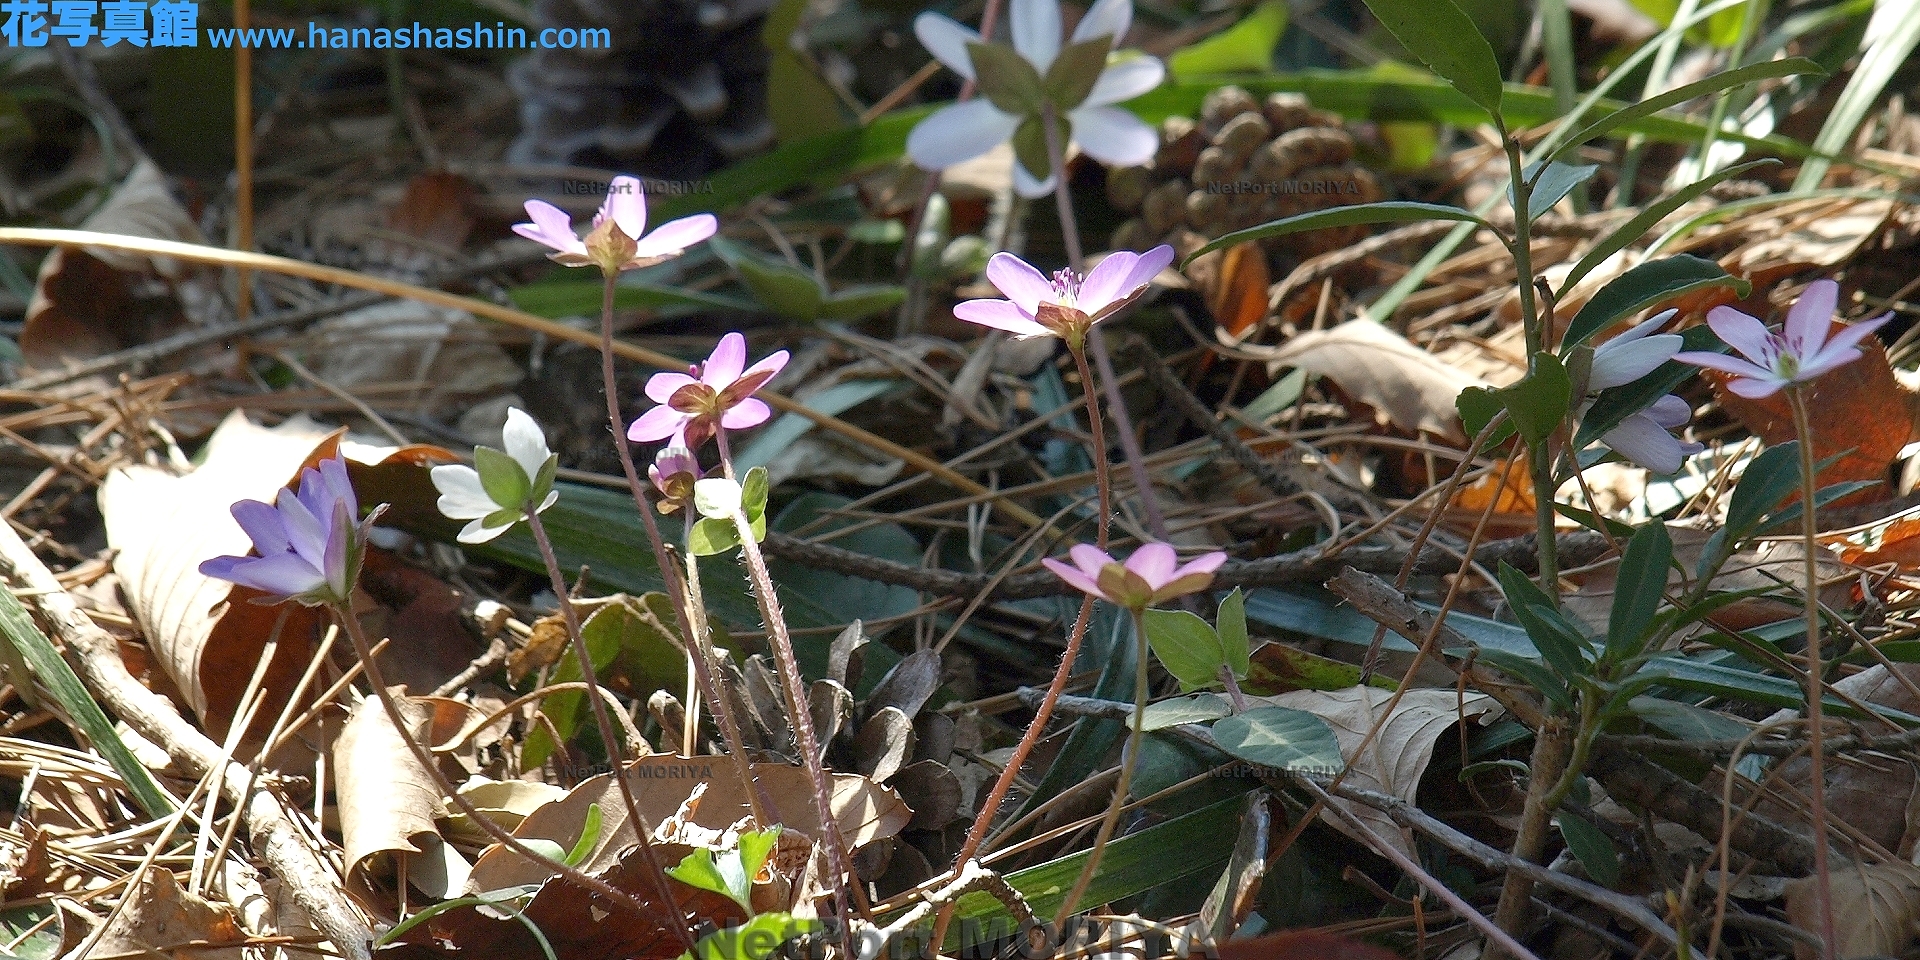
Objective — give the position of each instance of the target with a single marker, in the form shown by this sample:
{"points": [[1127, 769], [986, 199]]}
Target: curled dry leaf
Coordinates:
{"points": [[161, 917], [1405, 385], [205, 634], [1871, 791], [388, 806], [444, 358], [1397, 757], [1875, 909]]}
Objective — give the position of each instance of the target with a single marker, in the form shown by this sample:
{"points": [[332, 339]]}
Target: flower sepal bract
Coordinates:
{"points": [[502, 486], [718, 500]]}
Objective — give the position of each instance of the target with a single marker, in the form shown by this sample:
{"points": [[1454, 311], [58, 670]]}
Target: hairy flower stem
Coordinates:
{"points": [[839, 863], [1816, 693], [343, 613], [696, 614], [1112, 817], [616, 755], [1109, 383], [669, 572]]}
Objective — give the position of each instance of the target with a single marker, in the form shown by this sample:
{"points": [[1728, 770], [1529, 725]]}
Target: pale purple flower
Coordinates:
{"points": [[1152, 575], [674, 471], [626, 209], [1643, 437], [1068, 305], [309, 544], [1801, 353], [709, 397], [1107, 133]]}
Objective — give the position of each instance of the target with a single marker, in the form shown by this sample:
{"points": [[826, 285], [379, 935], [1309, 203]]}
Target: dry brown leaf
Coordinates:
{"points": [[1872, 792], [159, 916], [1399, 755], [1239, 300], [1405, 385], [1825, 239], [444, 358], [388, 803], [1875, 908], [437, 208]]}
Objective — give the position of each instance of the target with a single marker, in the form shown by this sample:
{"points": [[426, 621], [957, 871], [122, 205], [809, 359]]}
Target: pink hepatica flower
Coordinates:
{"points": [[674, 471], [1152, 575], [709, 397], [1068, 305], [1643, 437], [1107, 133], [309, 544], [1768, 361], [614, 249]]}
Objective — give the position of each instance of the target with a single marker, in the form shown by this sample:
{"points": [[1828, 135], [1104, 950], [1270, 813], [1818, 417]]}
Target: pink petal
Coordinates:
{"points": [[671, 238], [1842, 349], [1646, 443], [1723, 363], [724, 365], [1205, 563], [551, 226], [627, 204], [1108, 288], [750, 412], [1155, 563], [1074, 578], [1090, 559], [1036, 31], [1670, 411], [1753, 388], [1002, 315], [662, 386], [1811, 316], [657, 424], [1742, 333], [769, 367], [1020, 281]]}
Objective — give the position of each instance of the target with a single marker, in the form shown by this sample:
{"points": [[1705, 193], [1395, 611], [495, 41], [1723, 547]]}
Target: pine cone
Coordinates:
{"points": [[681, 94], [1243, 163]]}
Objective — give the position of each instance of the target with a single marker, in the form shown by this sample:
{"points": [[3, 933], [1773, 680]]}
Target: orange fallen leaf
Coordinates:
{"points": [[1239, 300]]}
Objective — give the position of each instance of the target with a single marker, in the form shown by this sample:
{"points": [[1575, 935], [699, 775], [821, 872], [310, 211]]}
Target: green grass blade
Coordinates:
{"points": [[1895, 30], [1790, 67]]}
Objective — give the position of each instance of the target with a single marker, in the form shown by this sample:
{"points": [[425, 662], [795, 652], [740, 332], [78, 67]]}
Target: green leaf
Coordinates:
{"points": [[1562, 644], [1245, 47], [1644, 285], [757, 939], [755, 847], [1478, 406], [1390, 211], [1071, 77], [53, 673], [1278, 397], [1199, 708], [1768, 479], [1232, 622], [1186, 646], [1446, 39], [505, 481], [1030, 147], [636, 635], [1539, 402], [1885, 54], [1631, 231], [1281, 739], [1552, 183], [853, 303], [1638, 588], [1790, 67], [1530, 671], [780, 287], [566, 294], [589, 835], [768, 441], [1007, 79], [700, 871], [1592, 848], [1726, 681], [543, 483], [712, 536], [799, 101], [753, 496]]}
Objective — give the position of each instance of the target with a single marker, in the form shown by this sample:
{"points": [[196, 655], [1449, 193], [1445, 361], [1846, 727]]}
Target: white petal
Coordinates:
{"points": [[1025, 185], [1125, 80], [959, 133], [525, 443], [461, 495], [1107, 18], [947, 41], [1113, 136], [1646, 443], [1616, 363], [1036, 31], [479, 532]]}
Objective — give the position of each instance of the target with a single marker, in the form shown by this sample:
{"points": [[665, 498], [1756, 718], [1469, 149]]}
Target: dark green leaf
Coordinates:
{"points": [[1232, 623], [1592, 848], [506, 483], [1007, 79], [1072, 75], [1643, 286], [1553, 183], [1478, 406], [1638, 588], [1539, 402], [1186, 646], [1631, 231], [1281, 739], [852, 303], [1792, 66], [1391, 211], [780, 287], [1745, 685], [1791, 513], [1531, 672], [568, 294], [757, 939], [1561, 643], [1448, 41], [1768, 479]]}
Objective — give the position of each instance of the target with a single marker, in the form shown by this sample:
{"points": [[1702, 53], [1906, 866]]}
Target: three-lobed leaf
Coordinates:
{"points": [[1186, 646]]}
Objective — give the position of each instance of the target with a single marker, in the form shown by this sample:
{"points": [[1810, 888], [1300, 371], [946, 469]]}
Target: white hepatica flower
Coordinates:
{"points": [[505, 486], [1105, 132]]}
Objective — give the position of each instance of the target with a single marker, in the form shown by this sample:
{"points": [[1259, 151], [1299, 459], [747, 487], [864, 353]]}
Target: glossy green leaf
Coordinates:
{"points": [[1478, 406], [1623, 118], [1768, 479], [780, 287], [1631, 231], [1199, 708], [1562, 644], [636, 633], [589, 835], [1281, 739], [712, 537], [1245, 47], [1232, 628], [1186, 646], [1644, 285], [1745, 685], [1593, 849], [1446, 40], [1390, 211], [1529, 671], [1639, 586], [1552, 183]]}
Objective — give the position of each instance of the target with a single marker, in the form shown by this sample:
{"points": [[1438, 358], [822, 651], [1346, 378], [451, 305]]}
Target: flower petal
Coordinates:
{"points": [[1125, 80], [1090, 559], [525, 443], [1028, 185], [462, 497], [750, 412], [1074, 578], [676, 236], [1616, 363], [657, 424], [1036, 31], [723, 366], [263, 526], [338, 558], [551, 227], [959, 133], [305, 536], [283, 574], [947, 41], [1743, 333], [1842, 349], [1106, 18], [1670, 411], [1023, 283], [1641, 440], [334, 471], [1754, 388], [1205, 563], [1110, 287], [768, 367], [1002, 315], [662, 386], [1811, 317], [626, 203], [1113, 136], [1725, 364], [1155, 563]]}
